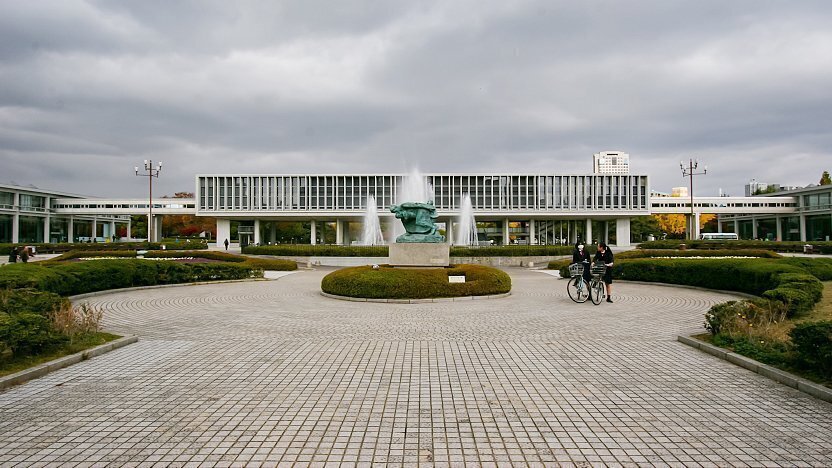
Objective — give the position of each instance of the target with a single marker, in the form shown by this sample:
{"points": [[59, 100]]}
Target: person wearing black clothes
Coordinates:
{"points": [[604, 255], [13, 255], [579, 255]]}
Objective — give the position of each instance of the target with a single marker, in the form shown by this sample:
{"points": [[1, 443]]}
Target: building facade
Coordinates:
{"points": [[811, 220], [611, 162], [530, 204], [27, 215]]}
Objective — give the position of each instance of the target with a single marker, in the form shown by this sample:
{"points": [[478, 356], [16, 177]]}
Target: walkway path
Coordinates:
{"points": [[271, 371]]}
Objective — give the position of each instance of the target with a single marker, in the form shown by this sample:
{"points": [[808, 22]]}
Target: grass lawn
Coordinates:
{"points": [[79, 344]]}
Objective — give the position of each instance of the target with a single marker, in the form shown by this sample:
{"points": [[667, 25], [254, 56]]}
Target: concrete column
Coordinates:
{"points": [[257, 240], [736, 227], [223, 231], [273, 232], [606, 232], [695, 226], [573, 232], [778, 235], [15, 228], [339, 232], [94, 228], [449, 230], [622, 232], [719, 224], [47, 225], [532, 232], [313, 238], [803, 234], [506, 239], [753, 227], [129, 229], [588, 231], [112, 229], [70, 231], [157, 228]]}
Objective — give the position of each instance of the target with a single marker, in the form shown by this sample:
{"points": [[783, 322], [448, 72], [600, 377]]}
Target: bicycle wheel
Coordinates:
{"points": [[596, 292], [578, 290]]}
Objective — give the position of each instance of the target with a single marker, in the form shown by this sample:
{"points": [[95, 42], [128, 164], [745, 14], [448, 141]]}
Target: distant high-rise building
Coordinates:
{"points": [[761, 188], [679, 192], [611, 162]]}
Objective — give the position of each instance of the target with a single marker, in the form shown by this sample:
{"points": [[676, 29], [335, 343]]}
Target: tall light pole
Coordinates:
{"points": [[150, 172], [690, 171]]}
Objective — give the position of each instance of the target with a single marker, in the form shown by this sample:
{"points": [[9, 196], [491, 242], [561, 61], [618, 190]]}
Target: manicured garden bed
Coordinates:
{"points": [[42, 248], [295, 250], [405, 283], [822, 247], [185, 256]]}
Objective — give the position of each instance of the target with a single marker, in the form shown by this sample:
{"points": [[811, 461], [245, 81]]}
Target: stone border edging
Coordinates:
{"points": [[415, 301], [158, 286], [66, 361], [697, 288], [790, 380]]}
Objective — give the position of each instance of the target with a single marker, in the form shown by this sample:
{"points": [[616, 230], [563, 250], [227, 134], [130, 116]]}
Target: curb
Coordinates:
{"points": [[66, 361], [790, 380], [159, 286], [697, 288], [415, 301]]}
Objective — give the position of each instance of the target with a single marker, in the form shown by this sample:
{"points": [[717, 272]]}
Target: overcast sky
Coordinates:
{"points": [[89, 89]]}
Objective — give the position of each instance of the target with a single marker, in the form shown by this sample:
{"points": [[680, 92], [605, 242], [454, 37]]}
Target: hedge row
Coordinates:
{"points": [[402, 283], [106, 246], [295, 250], [652, 253], [25, 327], [787, 246], [68, 279], [265, 264]]}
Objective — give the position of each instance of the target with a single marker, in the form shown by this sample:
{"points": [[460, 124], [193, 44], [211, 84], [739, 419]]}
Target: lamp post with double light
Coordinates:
{"points": [[690, 171], [150, 172]]}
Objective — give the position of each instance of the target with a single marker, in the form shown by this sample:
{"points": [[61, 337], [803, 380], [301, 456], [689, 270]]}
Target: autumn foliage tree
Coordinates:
{"points": [[187, 225], [675, 224]]}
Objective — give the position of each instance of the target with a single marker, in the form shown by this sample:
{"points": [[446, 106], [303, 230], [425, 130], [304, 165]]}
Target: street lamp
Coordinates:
{"points": [[690, 171], [150, 172]]}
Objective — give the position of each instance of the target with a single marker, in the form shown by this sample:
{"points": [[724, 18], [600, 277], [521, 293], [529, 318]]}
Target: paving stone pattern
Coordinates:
{"points": [[272, 373]]}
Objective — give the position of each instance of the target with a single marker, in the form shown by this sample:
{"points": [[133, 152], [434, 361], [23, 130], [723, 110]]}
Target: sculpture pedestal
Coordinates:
{"points": [[420, 255]]}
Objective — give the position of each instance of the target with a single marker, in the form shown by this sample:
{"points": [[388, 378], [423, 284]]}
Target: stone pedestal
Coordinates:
{"points": [[420, 255]]}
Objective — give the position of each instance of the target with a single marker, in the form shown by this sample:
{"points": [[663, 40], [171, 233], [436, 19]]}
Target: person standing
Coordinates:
{"points": [[604, 255], [24, 255], [226, 244], [580, 255], [13, 255]]}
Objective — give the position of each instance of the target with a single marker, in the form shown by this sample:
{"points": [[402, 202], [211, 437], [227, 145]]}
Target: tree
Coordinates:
{"points": [[676, 224], [825, 179], [768, 189]]}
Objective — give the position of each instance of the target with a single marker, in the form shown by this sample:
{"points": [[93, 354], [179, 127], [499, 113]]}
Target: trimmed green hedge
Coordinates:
{"points": [[262, 263], [648, 253], [404, 283], [786, 246], [297, 250], [813, 345], [42, 248], [68, 279]]}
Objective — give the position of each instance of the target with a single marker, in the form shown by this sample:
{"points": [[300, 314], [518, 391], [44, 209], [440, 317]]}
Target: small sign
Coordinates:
{"points": [[456, 279]]}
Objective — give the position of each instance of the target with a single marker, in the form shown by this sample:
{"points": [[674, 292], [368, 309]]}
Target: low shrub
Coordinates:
{"points": [[813, 346], [403, 283], [68, 279], [786, 246], [654, 253], [301, 250], [17, 301], [272, 264], [27, 333], [512, 251], [94, 254], [43, 248]]}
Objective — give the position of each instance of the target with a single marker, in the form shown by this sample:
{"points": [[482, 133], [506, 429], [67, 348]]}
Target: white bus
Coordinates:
{"points": [[719, 236]]}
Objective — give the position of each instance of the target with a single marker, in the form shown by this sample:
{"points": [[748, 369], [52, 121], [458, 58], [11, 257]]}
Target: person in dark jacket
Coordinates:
{"points": [[580, 255], [13, 255], [604, 255]]}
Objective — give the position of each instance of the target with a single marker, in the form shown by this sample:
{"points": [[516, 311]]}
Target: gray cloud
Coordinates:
{"points": [[90, 89]]}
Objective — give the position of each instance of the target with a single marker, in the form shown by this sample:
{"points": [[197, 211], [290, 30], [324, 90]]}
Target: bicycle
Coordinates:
{"points": [[578, 288]]}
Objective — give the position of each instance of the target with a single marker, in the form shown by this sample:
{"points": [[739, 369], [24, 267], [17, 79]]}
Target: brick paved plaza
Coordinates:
{"points": [[270, 372]]}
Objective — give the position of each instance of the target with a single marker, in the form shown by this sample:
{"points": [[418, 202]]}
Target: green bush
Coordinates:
{"points": [[68, 279], [94, 254], [17, 301], [28, 333], [787, 246], [813, 345], [261, 263], [43, 248], [305, 250], [272, 264], [820, 268], [512, 251], [648, 253], [405, 283], [799, 291]]}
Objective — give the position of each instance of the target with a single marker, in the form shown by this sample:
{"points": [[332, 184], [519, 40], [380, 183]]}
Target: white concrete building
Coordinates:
{"points": [[28, 215], [611, 162]]}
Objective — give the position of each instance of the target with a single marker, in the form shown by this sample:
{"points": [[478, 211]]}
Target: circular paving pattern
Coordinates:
{"points": [[272, 372]]}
